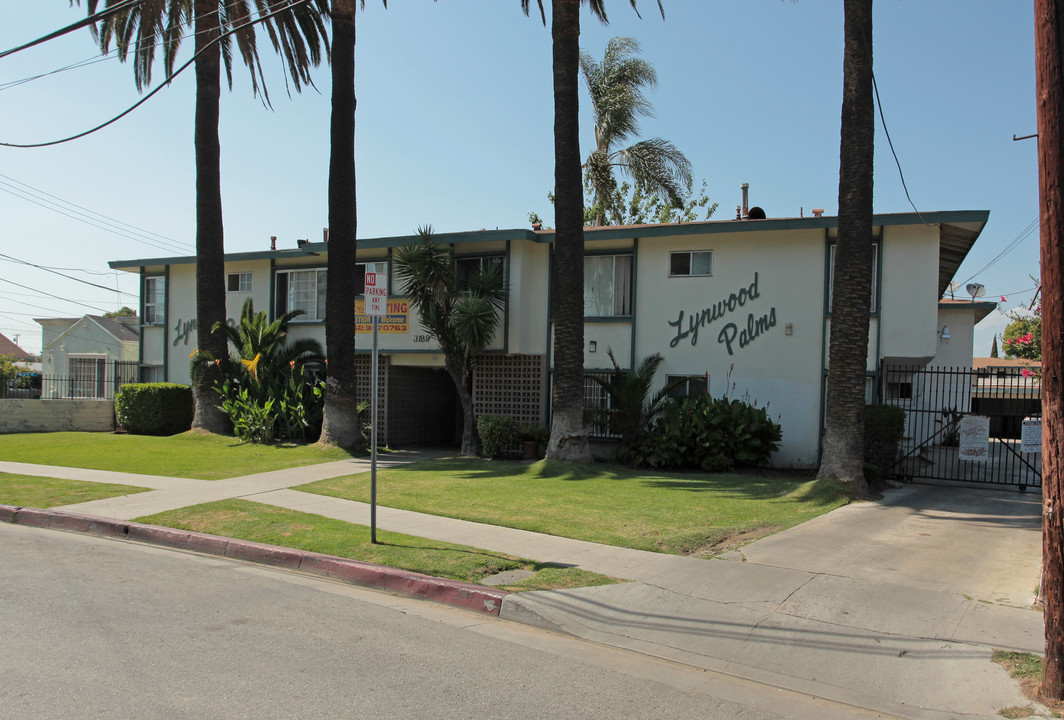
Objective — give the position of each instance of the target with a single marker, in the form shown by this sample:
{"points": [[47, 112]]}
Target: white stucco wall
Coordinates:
{"points": [[779, 278], [909, 291]]}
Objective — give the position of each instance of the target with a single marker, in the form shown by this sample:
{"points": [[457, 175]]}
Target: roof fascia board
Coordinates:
{"points": [[608, 233]]}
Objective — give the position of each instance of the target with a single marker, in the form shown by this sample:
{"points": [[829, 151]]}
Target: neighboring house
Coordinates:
{"points": [[88, 357], [740, 307], [10, 349]]}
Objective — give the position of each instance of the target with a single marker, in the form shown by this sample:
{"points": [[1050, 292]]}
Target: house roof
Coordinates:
{"points": [[7, 347], [980, 363], [122, 329], [958, 231], [982, 308]]}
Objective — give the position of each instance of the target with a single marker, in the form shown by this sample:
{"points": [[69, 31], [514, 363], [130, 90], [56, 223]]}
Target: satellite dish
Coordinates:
{"points": [[953, 287], [976, 290]]}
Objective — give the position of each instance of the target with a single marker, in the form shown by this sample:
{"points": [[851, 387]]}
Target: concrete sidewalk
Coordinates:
{"points": [[893, 606]]}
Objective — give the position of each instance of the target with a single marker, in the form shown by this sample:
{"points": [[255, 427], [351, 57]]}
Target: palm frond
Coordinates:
{"points": [[664, 170]]}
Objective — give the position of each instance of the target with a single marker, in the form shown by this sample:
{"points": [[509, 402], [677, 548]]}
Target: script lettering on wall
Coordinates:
{"points": [[730, 335], [184, 328]]}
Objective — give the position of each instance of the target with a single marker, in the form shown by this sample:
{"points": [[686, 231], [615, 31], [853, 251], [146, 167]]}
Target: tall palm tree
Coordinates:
{"points": [[843, 452], [461, 316], [569, 434], [615, 88], [297, 33], [341, 425]]}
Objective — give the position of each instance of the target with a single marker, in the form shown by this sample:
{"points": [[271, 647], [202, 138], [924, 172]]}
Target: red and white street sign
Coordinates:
{"points": [[376, 294]]}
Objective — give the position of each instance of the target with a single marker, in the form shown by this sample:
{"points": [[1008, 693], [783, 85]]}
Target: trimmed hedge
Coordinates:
{"points": [[498, 434], [154, 408]]}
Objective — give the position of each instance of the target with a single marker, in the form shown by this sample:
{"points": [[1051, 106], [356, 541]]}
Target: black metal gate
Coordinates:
{"points": [[936, 400]]}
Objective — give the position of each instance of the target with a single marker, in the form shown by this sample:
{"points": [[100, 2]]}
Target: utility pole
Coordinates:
{"points": [[1049, 78]]}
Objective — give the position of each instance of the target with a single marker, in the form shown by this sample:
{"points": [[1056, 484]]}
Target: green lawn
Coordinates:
{"points": [[188, 455], [683, 513], [290, 528], [43, 492]]}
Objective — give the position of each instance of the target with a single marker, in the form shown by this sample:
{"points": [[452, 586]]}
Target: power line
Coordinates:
{"points": [[1008, 248], [165, 83], [68, 277], [27, 287], [84, 22], [98, 58], [74, 215], [110, 220]]}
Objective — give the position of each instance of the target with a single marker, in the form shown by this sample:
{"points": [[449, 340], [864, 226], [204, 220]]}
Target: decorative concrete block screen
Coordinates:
{"points": [[364, 374], [511, 385]]}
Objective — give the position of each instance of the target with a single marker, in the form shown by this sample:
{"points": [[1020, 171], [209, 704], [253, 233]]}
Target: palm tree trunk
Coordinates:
{"points": [[843, 454], [463, 382], [341, 425], [568, 438], [210, 262]]}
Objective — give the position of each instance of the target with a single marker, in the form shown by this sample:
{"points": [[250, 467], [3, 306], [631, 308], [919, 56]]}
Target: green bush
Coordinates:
{"points": [[711, 434], [286, 406], [497, 434], [884, 430], [536, 433], [154, 408]]}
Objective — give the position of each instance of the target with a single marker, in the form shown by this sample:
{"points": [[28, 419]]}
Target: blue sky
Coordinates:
{"points": [[454, 128]]}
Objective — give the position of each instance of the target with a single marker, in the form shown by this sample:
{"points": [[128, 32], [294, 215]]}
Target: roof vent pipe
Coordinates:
{"points": [[325, 234], [273, 242], [746, 199], [818, 212]]}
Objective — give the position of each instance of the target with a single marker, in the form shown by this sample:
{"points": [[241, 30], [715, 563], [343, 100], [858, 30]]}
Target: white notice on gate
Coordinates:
{"points": [[975, 438], [1031, 437]]}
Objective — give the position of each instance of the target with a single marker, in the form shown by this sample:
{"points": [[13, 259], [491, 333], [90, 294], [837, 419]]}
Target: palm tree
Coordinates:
{"points": [[296, 31], [265, 389], [616, 91], [633, 408], [843, 453], [461, 317], [569, 434], [341, 425]]}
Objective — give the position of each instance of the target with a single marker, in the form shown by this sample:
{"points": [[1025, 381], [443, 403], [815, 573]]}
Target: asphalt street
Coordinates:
{"points": [[102, 628]]}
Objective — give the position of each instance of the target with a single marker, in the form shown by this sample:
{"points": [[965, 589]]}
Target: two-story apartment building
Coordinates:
{"points": [[736, 306]]}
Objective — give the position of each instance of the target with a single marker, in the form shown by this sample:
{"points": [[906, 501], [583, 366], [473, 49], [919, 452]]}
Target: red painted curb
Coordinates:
{"points": [[467, 596]]}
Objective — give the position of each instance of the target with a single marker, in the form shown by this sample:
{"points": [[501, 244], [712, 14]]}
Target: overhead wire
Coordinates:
{"points": [[69, 277], [1023, 235], [22, 195], [151, 238], [84, 22], [162, 85], [102, 56], [27, 287]]}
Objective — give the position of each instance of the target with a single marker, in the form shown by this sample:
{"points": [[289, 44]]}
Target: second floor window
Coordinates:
{"points": [[154, 301], [301, 290], [607, 285], [238, 282]]}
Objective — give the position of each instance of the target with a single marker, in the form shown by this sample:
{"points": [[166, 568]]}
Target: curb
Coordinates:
{"points": [[467, 596]]}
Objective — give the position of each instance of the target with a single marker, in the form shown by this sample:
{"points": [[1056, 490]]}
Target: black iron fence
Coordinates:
{"points": [[87, 379], [1004, 404]]}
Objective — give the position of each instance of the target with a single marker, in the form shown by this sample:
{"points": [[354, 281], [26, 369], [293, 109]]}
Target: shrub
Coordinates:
{"points": [[287, 406], [497, 434], [154, 408], [884, 429], [711, 434], [535, 432]]}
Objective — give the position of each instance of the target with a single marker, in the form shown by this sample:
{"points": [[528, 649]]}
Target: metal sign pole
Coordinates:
{"points": [[373, 440]]}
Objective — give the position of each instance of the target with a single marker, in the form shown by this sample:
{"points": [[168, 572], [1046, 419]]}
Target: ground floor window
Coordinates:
{"points": [[688, 385], [88, 377]]}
